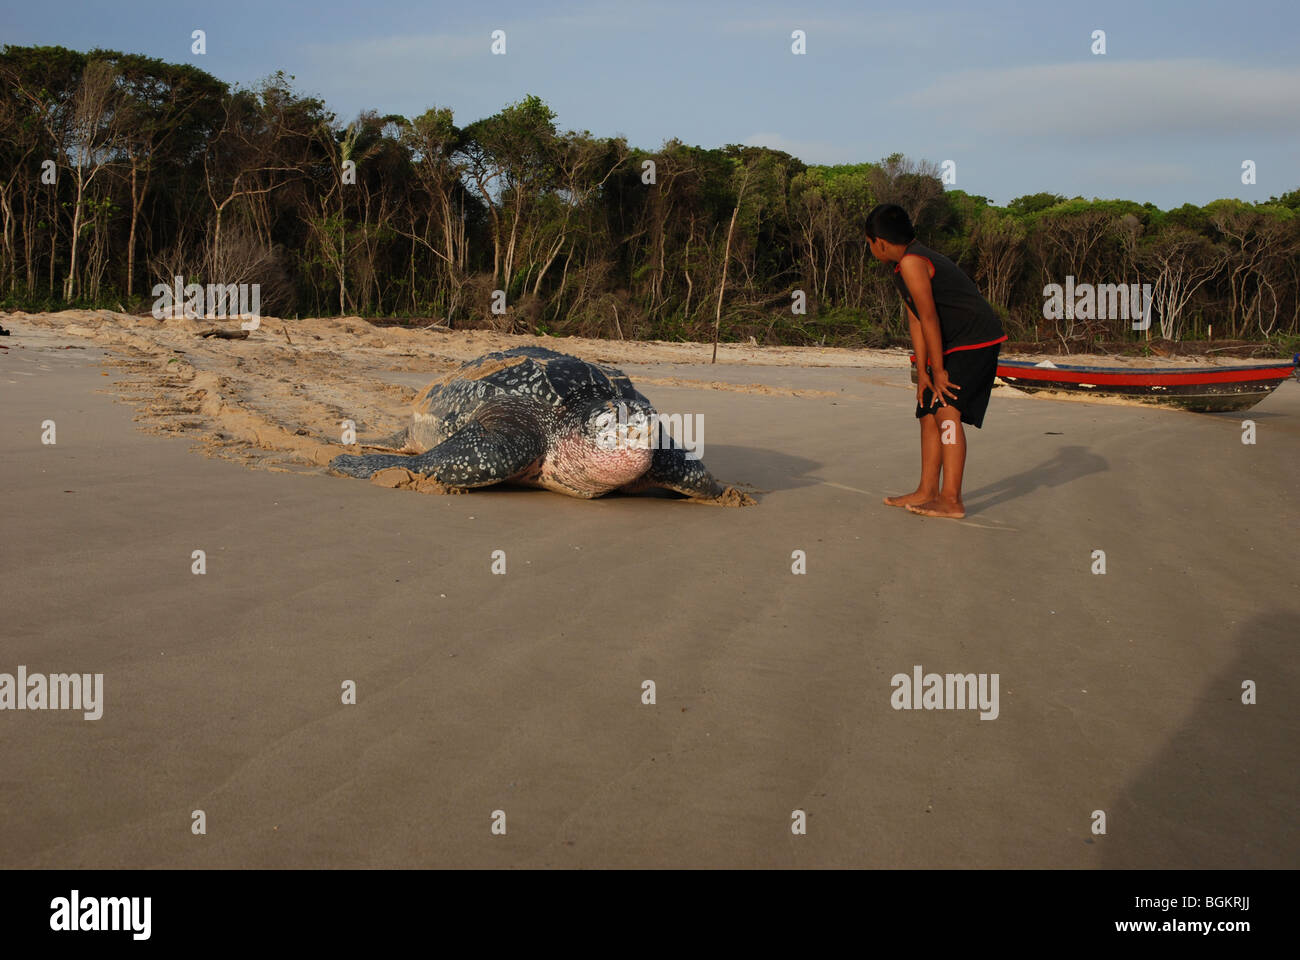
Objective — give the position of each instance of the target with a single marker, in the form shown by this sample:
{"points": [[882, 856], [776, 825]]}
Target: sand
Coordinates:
{"points": [[522, 692]]}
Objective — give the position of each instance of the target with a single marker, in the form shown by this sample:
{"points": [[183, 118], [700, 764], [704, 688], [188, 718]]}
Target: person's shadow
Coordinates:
{"points": [[1220, 792], [1068, 463]]}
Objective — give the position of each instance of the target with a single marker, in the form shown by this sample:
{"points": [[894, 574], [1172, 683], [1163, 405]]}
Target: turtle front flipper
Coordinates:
{"points": [[365, 467], [474, 456], [675, 471], [354, 465], [478, 456]]}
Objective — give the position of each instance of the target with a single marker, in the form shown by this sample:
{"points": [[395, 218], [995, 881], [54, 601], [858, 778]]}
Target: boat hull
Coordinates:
{"points": [[1211, 398]]}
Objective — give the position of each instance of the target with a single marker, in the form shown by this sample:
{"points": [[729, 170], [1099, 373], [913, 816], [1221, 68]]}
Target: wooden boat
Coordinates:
{"points": [[1203, 389]]}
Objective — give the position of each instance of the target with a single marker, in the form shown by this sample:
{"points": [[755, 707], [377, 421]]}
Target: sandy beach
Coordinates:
{"points": [[522, 692]]}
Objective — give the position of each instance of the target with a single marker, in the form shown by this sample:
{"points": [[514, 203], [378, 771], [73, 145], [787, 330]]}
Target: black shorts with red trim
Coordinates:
{"points": [[973, 371]]}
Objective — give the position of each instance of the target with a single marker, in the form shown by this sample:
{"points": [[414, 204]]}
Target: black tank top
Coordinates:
{"points": [[966, 319]]}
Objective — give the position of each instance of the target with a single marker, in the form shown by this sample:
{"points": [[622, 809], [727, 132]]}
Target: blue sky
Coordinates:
{"points": [[1010, 92]]}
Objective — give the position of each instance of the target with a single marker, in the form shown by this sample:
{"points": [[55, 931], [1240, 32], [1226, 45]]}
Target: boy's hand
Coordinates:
{"points": [[923, 383], [943, 387]]}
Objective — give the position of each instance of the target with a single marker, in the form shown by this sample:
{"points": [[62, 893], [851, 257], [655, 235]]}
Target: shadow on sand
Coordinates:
{"points": [[1069, 463], [754, 467], [747, 468], [1221, 792]]}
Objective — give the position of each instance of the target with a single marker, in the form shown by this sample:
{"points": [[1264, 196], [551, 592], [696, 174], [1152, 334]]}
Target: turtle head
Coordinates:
{"points": [[617, 441]]}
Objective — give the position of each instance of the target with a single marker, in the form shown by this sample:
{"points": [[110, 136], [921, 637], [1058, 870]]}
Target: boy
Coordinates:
{"points": [[955, 336]]}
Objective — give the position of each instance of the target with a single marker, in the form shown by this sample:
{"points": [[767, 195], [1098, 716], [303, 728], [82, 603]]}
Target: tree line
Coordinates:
{"points": [[120, 171]]}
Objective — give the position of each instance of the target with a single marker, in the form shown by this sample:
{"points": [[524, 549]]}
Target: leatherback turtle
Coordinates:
{"points": [[540, 418]]}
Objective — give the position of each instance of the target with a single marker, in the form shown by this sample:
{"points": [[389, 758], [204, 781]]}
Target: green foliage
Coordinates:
{"points": [[1034, 203], [440, 215]]}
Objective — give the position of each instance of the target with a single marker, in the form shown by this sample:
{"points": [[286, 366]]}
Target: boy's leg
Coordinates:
{"points": [[953, 455], [931, 460]]}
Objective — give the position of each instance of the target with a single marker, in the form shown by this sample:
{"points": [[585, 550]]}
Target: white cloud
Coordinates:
{"points": [[1100, 98]]}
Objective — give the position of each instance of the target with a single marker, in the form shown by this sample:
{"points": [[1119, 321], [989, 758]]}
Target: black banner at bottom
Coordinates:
{"points": [[337, 908]]}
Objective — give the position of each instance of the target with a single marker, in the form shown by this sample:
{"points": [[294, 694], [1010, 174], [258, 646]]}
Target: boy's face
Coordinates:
{"points": [[877, 247]]}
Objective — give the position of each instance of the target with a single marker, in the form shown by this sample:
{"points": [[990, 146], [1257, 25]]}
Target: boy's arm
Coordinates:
{"points": [[919, 350], [918, 339], [916, 275]]}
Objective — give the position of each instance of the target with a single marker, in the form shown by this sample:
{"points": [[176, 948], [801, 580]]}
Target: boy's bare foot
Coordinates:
{"points": [[939, 507], [908, 499]]}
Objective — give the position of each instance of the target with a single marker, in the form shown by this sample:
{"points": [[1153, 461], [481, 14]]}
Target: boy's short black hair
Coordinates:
{"points": [[890, 222]]}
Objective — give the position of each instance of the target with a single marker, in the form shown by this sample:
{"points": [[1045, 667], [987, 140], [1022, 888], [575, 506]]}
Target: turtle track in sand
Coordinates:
{"points": [[269, 401]]}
